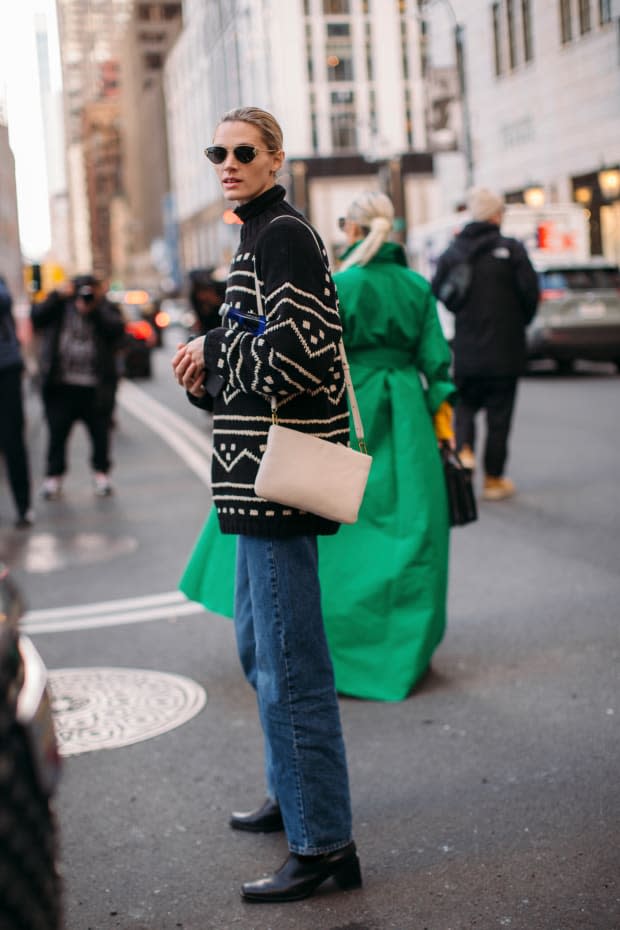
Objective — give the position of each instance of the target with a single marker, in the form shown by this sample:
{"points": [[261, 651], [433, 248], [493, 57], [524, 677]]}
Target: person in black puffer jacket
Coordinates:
{"points": [[491, 317], [291, 353], [12, 423]]}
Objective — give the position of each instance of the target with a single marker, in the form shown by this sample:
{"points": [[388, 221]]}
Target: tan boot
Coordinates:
{"points": [[498, 489], [467, 457]]}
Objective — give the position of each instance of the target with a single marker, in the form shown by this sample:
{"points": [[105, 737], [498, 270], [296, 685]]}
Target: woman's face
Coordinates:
{"points": [[241, 182]]}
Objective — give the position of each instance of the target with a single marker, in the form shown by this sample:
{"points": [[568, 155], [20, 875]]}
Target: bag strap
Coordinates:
{"points": [[357, 419]]}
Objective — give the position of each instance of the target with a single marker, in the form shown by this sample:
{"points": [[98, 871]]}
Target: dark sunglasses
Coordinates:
{"points": [[341, 222], [243, 153]]}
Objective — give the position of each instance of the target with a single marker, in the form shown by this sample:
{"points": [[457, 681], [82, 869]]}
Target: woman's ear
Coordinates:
{"points": [[277, 161]]}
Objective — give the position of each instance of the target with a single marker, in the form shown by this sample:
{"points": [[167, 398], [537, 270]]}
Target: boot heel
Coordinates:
{"points": [[349, 875]]}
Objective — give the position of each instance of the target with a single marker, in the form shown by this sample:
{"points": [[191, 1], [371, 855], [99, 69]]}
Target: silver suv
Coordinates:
{"points": [[578, 316]]}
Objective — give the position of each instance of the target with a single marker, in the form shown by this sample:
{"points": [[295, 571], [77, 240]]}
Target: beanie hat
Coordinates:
{"points": [[483, 203], [375, 212]]}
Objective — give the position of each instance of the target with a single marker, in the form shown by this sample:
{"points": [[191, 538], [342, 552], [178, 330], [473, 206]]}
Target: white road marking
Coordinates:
{"points": [[195, 448]]}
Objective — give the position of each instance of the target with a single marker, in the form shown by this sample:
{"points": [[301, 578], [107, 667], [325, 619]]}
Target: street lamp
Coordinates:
{"points": [[609, 182], [534, 195]]}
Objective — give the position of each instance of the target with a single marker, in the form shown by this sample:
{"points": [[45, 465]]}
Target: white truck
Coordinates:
{"points": [[552, 234]]}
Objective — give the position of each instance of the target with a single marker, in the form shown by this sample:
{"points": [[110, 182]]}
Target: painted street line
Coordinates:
{"points": [[193, 446], [109, 613]]}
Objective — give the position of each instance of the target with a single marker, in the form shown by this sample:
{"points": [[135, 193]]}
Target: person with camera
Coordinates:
{"points": [[80, 334]]}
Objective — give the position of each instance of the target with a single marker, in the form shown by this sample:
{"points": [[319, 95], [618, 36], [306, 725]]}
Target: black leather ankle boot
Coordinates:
{"points": [[300, 876], [267, 819]]}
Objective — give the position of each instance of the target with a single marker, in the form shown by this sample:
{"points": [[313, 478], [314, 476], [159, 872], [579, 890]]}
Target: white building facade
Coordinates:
{"points": [[343, 78], [367, 92], [543, 93]]}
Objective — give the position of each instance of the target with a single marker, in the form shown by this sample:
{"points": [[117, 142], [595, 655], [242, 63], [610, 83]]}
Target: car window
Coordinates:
{"points": [[580, 279]]}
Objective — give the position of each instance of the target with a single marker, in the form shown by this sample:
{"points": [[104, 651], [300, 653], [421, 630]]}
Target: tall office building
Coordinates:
{"points": [[149, 255], [89, 35]]}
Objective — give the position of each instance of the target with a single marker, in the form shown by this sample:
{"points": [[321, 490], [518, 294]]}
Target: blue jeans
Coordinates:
{"points": [[284, 654]]}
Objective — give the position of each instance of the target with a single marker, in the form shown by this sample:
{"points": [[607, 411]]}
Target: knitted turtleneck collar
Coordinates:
{"points": [[267, 199]]}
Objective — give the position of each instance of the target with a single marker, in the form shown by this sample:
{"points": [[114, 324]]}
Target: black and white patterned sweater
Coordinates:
{"points": [[295, 358]]}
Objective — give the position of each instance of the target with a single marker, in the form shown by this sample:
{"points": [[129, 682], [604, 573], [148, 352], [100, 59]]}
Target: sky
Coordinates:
{"points": [[20, 100]]}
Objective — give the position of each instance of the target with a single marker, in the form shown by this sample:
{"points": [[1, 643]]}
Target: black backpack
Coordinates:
{"points": [[455, 286]]}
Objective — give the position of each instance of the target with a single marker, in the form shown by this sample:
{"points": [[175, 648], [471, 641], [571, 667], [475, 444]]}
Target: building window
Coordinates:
{"points": [[497, 38], [343, 121], [368, 50], [566, 22], [408, 118], [604, 12], [512, 38], [339, 51], [584, 16], [403, 50], [309, 55], [336, 7], [526, 22], [314, 124]]}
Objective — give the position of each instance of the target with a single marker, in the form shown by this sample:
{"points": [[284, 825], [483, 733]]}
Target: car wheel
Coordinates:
{"points": [[564, 366]]}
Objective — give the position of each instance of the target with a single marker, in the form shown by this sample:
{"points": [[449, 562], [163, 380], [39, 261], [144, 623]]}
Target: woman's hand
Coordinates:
{"points": [[189, 367]]}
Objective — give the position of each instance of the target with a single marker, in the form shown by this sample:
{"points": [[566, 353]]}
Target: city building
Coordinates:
{"points": [[344, 78], [543, 101], [89, 36], [10, 251], [53, 139], [419, 97], [148, 257]]}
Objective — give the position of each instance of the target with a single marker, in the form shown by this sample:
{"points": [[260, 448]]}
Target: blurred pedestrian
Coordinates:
{"points": [[207, 287], [12, 422], [292, 353], [81, 332], [492, 312], [383, 579]]}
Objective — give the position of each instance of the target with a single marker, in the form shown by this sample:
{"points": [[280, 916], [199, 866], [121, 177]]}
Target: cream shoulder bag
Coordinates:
{"points": [[312, 474]]}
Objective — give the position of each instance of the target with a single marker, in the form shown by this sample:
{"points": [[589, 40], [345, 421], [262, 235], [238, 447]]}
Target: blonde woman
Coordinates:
{"points": [[291, 353], [385, 578]]}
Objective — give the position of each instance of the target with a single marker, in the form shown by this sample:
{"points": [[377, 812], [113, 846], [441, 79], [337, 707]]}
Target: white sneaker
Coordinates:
{"points": [[52, 488], [103, 487]]}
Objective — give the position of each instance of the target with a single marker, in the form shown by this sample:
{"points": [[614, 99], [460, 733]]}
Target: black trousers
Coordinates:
{"points": [[496, 396], [12, 442], [65, 404]]}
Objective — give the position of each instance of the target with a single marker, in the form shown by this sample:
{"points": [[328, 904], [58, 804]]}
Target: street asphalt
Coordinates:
{"points": [[490, 798]]}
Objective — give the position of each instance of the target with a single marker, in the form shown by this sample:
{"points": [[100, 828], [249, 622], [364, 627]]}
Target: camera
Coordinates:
{"points": [[87, 294]]}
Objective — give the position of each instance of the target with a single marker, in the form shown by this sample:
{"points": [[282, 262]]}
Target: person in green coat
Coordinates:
{"points": [[383, 579]]}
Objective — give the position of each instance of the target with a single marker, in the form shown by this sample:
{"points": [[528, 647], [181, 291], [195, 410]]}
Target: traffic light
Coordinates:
{"points": [[35, 279]]}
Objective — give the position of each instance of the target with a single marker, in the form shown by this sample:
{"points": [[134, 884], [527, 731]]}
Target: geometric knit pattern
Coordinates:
{"points": [[288, 352]]}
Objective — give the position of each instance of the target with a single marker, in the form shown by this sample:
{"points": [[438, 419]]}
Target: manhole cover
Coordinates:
{"points": [[105, 708]]}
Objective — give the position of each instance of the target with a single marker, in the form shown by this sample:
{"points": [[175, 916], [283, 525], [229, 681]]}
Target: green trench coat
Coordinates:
{"points": [[383, 579]]}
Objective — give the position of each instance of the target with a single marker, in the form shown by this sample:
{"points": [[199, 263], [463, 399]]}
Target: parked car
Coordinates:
{"points": [[30, 891], [579, 314], [140, 332]]}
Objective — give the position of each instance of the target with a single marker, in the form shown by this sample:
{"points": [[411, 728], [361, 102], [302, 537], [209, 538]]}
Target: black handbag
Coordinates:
{"points": [[462, 507]]}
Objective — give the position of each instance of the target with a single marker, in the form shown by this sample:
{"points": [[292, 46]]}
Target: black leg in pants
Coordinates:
{"points": [[12, 442], [497, 397], [64, 405]]}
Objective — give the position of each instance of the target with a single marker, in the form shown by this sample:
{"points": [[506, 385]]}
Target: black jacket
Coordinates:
{"points": [[108, 326], [295, 358], [489, 330], [10, 352]]}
